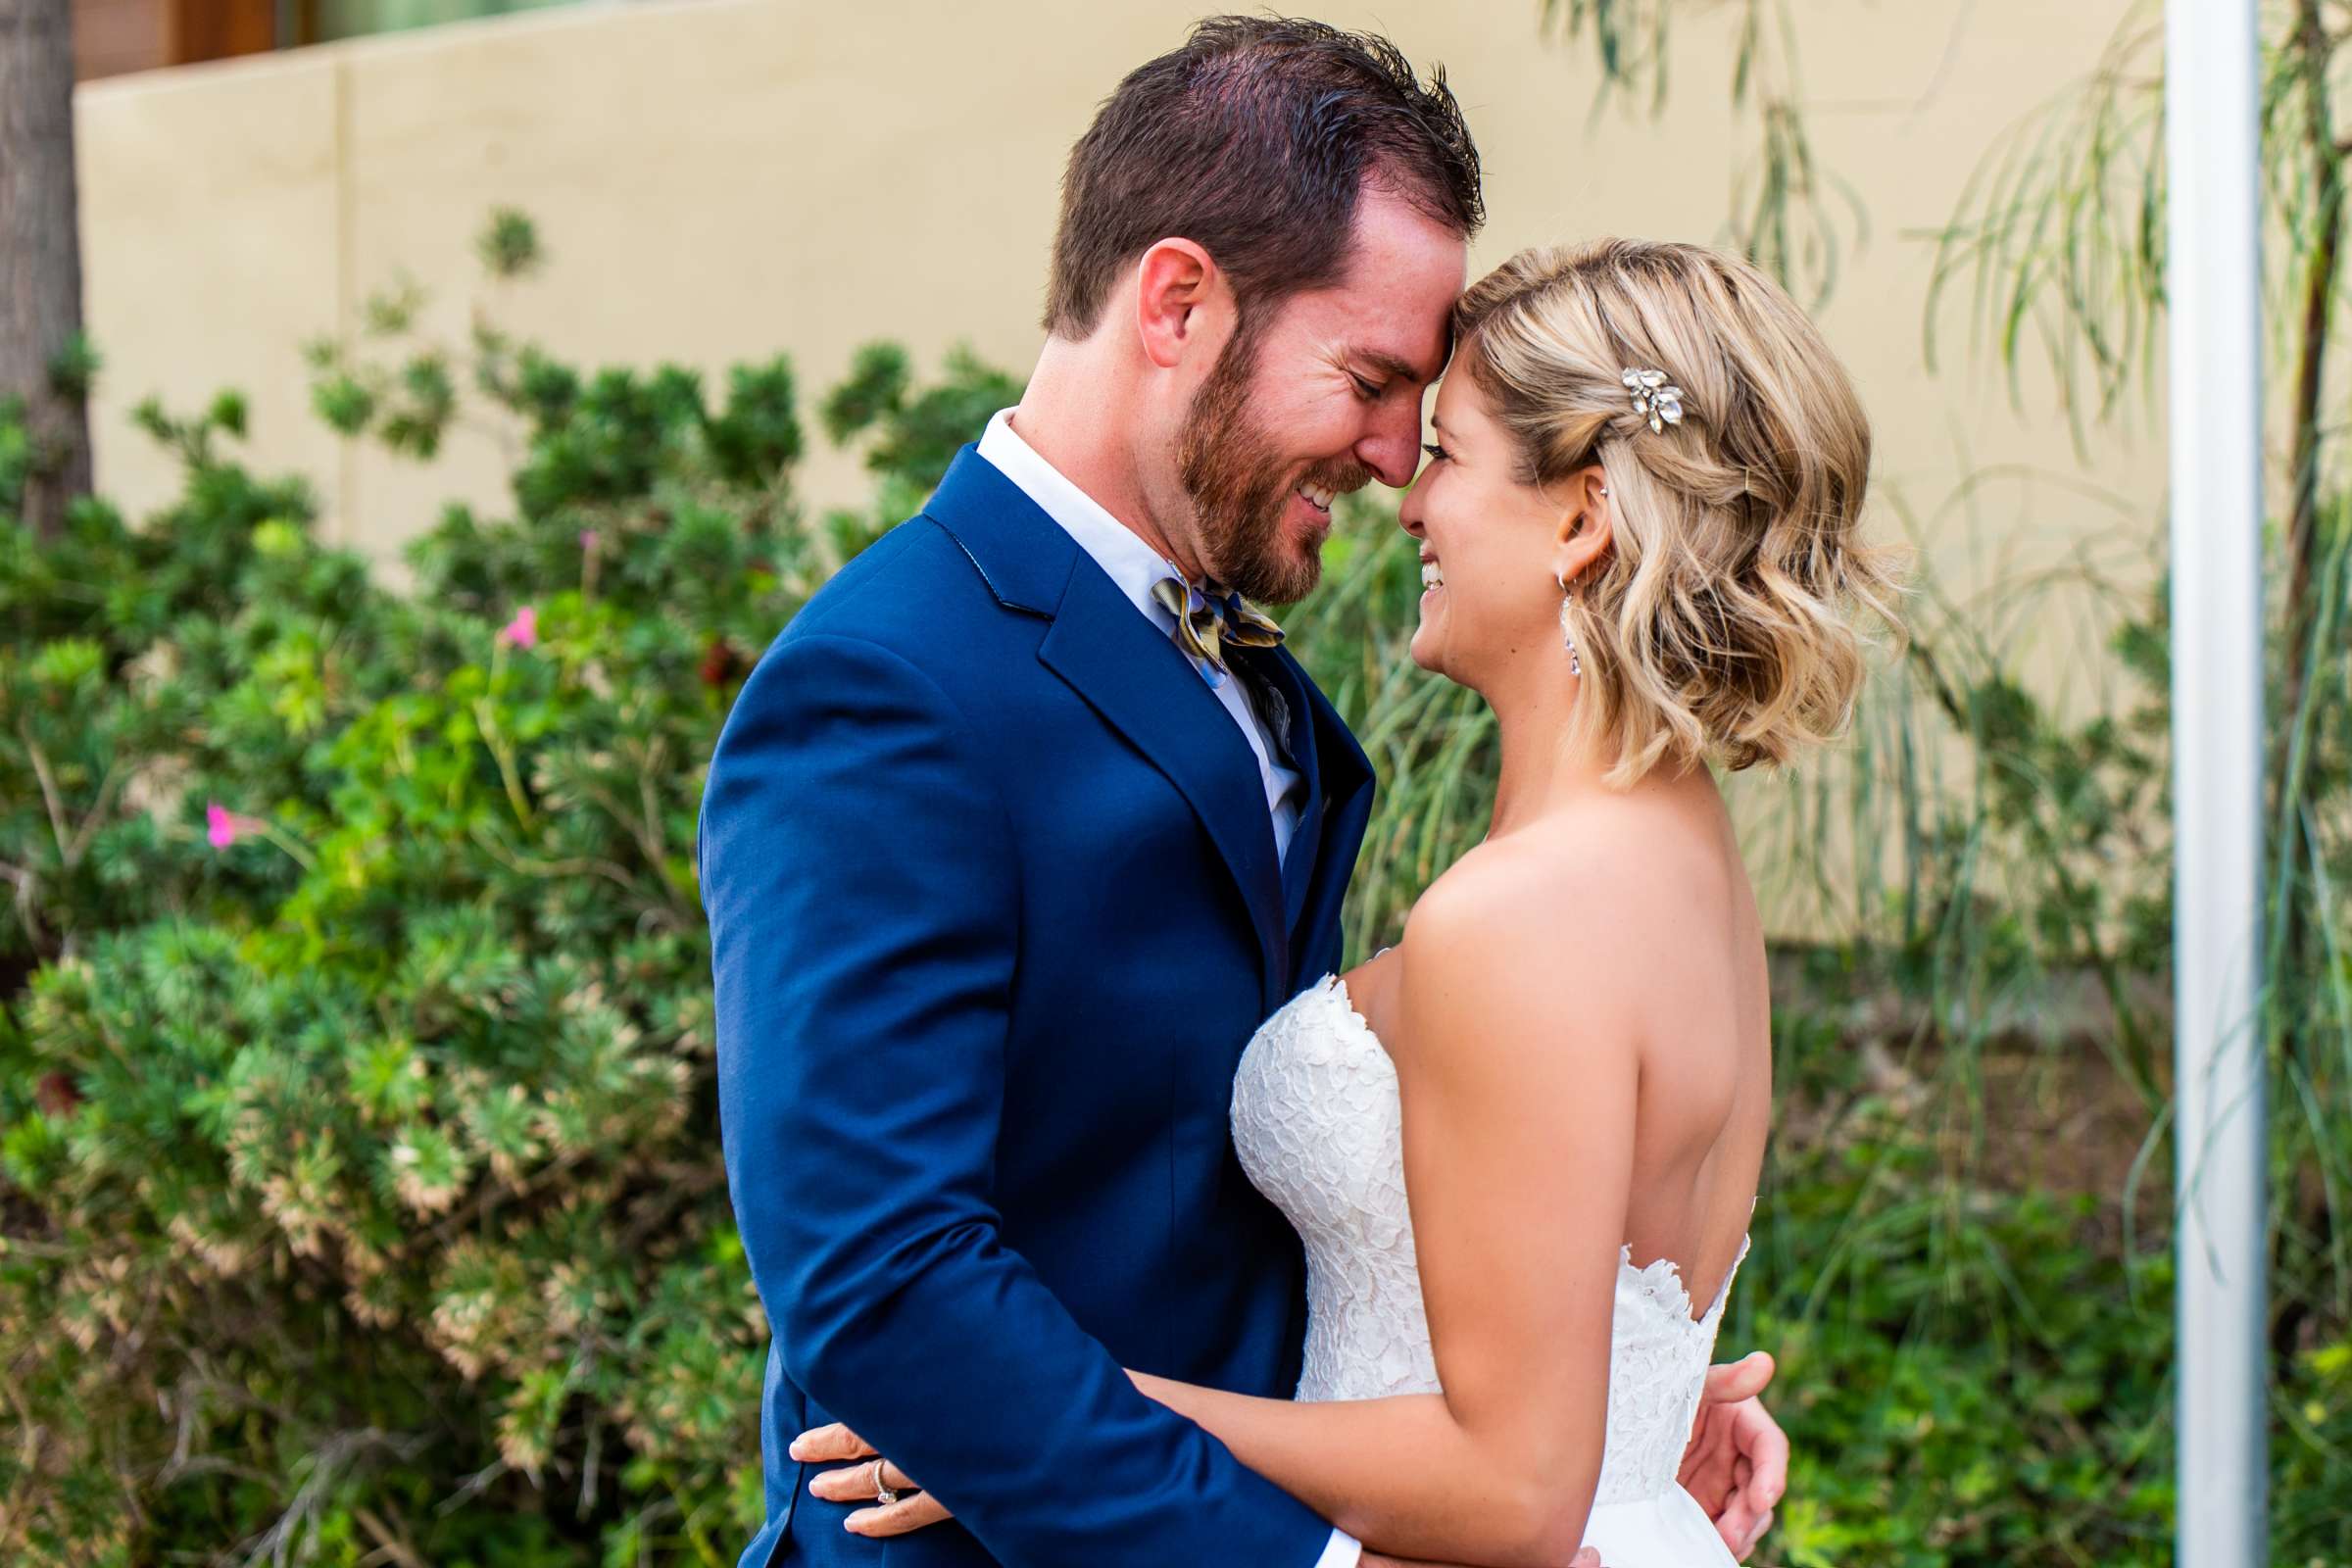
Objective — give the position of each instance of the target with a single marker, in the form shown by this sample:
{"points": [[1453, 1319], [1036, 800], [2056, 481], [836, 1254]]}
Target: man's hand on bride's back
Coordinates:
{"points": [[1736, 1464]]}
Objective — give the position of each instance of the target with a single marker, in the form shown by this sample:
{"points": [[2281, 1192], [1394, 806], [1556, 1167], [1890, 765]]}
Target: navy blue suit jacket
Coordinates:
{"points": [[994, 905]]}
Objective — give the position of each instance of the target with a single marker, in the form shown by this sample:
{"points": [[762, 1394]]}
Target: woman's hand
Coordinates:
{"points": [[864, 1483]]}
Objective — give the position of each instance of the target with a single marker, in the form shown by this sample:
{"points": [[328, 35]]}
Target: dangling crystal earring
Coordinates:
{"points": [[1567, 633]]}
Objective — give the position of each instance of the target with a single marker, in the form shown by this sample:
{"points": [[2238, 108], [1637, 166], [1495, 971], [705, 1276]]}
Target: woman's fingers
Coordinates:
{"points": [[898, 1518], [858, 1483], [864, 1481], [819, 1444]]}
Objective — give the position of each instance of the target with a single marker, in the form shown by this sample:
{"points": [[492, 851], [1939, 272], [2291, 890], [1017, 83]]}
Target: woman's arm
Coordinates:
{"points": [[1518, 1076]]}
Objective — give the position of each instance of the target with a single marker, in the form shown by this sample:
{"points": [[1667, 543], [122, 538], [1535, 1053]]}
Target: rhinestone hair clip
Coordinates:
{"points": [[1655, 397]]}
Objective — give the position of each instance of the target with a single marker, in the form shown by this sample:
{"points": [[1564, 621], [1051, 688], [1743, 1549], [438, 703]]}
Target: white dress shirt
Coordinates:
{"points": [[1135, 566]]}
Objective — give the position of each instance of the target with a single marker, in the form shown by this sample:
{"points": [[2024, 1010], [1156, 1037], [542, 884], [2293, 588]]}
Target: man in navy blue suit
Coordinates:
{"points": [[1026, 822]]}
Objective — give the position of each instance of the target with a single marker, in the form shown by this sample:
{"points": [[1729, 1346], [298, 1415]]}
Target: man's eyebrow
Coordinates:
{"points": [[1389, 365]]}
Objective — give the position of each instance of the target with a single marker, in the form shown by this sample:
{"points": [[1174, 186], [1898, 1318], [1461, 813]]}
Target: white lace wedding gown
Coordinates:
{"points": [[1316, 1122]]}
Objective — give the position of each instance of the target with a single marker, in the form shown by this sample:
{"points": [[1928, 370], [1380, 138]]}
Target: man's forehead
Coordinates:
{"points": [[1378, 335], [1396, 331], [1401, 277]]}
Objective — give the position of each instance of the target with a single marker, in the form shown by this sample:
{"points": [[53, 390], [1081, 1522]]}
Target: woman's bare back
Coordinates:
{"points": [[1662, 863]]}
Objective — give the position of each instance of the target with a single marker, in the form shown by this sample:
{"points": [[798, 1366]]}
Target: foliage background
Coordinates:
{"points": [[359, 1177]]}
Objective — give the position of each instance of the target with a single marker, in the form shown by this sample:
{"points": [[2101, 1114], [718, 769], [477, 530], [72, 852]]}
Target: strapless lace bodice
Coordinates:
{"points": [[1316, 1122]]}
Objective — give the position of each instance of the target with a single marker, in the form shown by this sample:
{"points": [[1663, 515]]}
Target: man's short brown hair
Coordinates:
{"points": [[1253, 140]]}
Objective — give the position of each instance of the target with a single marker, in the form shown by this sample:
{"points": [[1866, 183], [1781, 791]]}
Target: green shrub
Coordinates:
{"points": [[360, 1148]]}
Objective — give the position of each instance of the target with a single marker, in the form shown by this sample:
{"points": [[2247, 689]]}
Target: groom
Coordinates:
{"points": [[1023, 825]]}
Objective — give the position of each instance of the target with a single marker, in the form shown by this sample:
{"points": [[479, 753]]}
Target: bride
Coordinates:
{"points": [[1639, 535]]}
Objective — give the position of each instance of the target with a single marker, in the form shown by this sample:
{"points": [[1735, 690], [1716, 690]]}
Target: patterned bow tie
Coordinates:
{"points": [[1207, 624]]}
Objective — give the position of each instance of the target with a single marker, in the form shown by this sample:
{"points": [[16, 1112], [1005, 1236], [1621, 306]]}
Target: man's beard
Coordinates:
{"points": [[1239, 488]]}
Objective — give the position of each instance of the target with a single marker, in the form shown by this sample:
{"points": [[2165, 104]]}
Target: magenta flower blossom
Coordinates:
{"points": [[588, 540], [223, 827], [523, 631]]}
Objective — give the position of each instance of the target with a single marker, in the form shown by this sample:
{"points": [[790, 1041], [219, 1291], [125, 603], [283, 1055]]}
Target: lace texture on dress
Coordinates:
{"points": [[1317, 1126]]}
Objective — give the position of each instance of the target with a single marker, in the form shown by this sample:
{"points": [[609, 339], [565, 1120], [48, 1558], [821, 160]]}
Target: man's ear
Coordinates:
{"points": [[1181, 301], [1588, 525]]}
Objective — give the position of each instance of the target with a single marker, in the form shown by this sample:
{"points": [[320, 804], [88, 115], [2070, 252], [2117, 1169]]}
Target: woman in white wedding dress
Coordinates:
{"points": [[1640, 534]]}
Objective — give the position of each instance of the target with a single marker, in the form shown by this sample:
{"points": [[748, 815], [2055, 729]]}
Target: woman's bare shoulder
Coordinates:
{"points": [[1496, 945], [1567, 925], [1563, 879]]}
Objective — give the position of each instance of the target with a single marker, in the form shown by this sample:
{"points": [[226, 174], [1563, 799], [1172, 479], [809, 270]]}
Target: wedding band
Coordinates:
{"points": [[883, 1494]]}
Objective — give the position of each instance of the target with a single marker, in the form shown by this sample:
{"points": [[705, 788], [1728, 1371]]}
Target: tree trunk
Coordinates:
{"points": [[40, 250]]}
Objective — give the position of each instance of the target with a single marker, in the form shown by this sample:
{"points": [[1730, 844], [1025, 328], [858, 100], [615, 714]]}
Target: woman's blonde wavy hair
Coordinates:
{"points": [[1721, 622]]}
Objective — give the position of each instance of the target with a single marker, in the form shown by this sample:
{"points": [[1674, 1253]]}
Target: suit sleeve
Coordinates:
{"points": [[860, 874]]}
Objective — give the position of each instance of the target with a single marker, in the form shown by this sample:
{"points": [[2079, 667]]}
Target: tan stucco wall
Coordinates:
{"points": [[718, 179]]}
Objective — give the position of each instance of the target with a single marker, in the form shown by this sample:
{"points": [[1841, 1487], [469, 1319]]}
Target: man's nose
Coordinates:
{"points": [[1389, 449]]}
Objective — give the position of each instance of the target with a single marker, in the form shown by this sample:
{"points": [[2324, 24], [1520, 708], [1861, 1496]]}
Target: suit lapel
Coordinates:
{"points": [[1131, 674], [1149, 693], [1344, 786]]}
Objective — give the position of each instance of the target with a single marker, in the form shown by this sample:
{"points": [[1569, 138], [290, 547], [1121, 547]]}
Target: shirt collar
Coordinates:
{"points": [[1132, 565]]}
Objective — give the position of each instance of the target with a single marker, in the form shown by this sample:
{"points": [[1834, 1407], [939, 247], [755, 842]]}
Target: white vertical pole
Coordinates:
{"points": [[2213, 155]]}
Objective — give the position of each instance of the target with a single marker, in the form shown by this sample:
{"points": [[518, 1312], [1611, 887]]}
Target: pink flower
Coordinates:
{"points": [[588, 541], [523, 631], [223, 827]]}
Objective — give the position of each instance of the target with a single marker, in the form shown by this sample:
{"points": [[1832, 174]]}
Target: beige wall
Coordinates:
{"points": [[718, 179]]}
